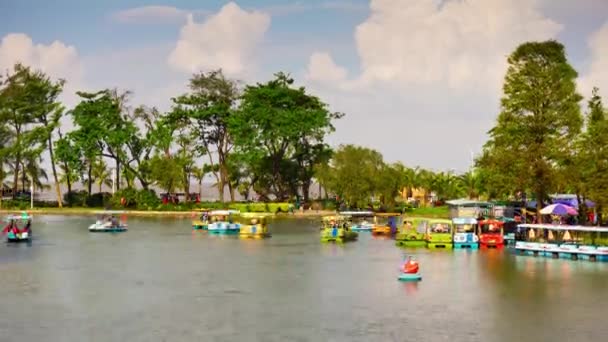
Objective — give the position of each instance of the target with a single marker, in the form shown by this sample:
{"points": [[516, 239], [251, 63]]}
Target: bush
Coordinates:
{"points": [[147, 200], [75, 198], [258, 207], [278, 207], [129, 196], [99, 200]]}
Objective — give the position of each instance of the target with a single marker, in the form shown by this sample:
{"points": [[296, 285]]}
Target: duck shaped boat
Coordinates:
{"points": [[107, 222], [410, 271], [13, 233]]}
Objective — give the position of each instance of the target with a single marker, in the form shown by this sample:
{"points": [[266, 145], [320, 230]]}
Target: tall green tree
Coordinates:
{"points": [[539, 117], [353, 173], [210, 104], [592, 161], [101, 122], [21, 99], [279, 135]]}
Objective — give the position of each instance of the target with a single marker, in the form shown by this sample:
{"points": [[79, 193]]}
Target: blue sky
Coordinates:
{"points": [[419, 80]]}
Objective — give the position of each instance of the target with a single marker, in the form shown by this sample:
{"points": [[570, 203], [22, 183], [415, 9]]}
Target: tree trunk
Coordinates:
{"points": [[100, 184], [54, 169], [89, 181], [187, 186], [220, 189], [306, 190], [200, 188], [231, 191], [117, 185], [539, 206], [16, 177]]}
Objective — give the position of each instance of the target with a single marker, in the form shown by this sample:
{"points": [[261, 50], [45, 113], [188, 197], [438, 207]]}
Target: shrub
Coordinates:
{"points": [[75, 198], [258, 207], [98, 200], [129, 195], [147, 200], [278, 207]]}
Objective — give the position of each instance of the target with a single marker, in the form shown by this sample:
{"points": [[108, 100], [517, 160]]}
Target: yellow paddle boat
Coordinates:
{"points": [[386, 223], [253, 226]]}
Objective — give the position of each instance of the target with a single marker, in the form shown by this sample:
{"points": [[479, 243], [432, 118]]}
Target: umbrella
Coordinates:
{"points": [[558, 209]]}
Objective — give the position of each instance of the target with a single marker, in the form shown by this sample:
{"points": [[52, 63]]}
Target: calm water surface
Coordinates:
{"points": [[161, 282]]}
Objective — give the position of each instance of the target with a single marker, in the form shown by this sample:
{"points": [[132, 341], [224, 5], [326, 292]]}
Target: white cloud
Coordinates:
{"points": [[166, 14], [56, 59], [224, 40], [458, 44], [597, 75], [323, 68]]}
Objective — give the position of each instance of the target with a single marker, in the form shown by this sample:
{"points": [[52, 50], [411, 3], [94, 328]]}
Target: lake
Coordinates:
{"points": [[162, 282]]}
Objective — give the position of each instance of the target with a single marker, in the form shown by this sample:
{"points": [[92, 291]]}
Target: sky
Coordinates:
{"points": [[419, 80]]}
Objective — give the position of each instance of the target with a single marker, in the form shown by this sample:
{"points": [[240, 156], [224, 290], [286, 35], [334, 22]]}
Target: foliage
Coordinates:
{"points": [[539, 120], [279, 136], [209, 106], [76, 198]]}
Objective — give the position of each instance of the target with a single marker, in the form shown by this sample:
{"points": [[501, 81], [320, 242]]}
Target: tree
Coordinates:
{"points": [[279, 135], [101, 174], [70, 158], [21, 99], [539, 116], [352, 174], [103, 127], [167, 172], [592, 162], [210, 104]]}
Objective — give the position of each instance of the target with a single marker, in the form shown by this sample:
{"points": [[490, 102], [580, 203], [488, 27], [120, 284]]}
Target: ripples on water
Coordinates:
{"points": [[161, 282]]}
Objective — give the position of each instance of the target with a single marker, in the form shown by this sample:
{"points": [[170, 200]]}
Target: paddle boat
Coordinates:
{"points": [[253, 226], [336, 230], [107, 222], [491, 233], [439, 234], [200, 219], [563, 241], [223, 222], [386, 223], [465, 233], [14, 233], [412, 233], [410, 271], [358, 220]]}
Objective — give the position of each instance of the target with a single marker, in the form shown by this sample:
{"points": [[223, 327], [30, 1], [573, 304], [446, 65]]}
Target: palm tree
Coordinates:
{"points": [[471, 184], [33, 172], [101, 174], [199, 174]]}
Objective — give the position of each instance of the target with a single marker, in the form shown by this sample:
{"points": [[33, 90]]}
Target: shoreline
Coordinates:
{"points": [[186, 214], [149, 213]]}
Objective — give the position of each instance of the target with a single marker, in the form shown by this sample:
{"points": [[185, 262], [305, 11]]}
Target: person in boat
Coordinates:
{"points": [[410, 266], [28, 227], [113, 221], [9, 227]]}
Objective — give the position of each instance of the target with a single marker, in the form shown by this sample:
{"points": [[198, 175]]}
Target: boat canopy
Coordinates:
{"points": [[464, 220], [431, 221], [16, 217], [564, 227], [468, 203], [357, 213]]}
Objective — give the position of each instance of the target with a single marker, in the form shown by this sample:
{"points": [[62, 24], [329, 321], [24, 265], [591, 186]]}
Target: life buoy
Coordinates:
{"points": [[123, 201]]}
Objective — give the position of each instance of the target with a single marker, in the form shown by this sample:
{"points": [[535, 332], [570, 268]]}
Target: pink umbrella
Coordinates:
{"points": [[558, 209]]}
